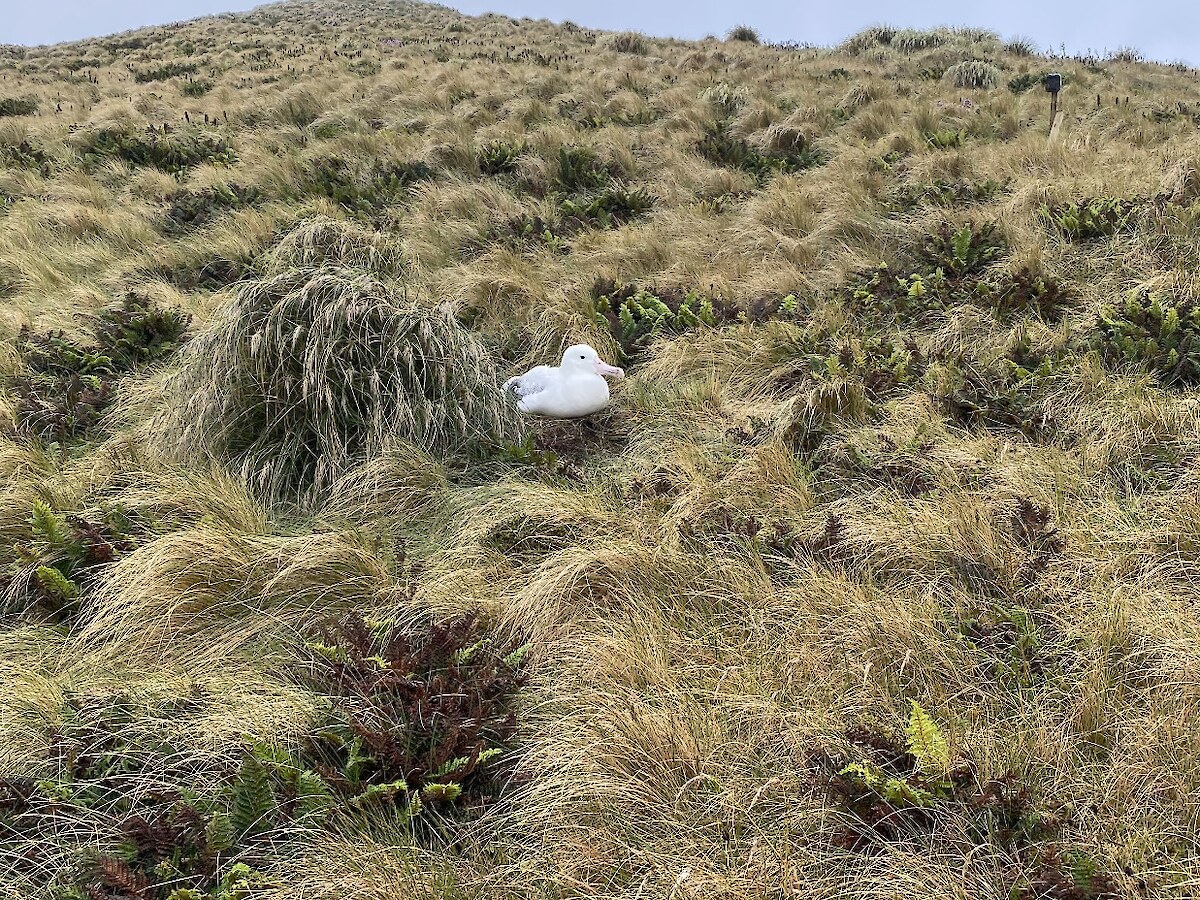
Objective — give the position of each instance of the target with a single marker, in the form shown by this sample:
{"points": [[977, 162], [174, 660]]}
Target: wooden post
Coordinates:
{"points": [[1053, 83]]}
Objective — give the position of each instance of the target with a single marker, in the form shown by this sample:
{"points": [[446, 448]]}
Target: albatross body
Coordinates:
{"points": [[574, 388]]}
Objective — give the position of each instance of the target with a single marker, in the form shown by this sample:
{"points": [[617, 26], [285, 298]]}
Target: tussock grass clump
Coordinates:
{"points": [[1021, 46], [910, 40], [322, 241], [743, 33], [627, 42], [868, 39], [973, 73], [311, 370], [1127, 54]]}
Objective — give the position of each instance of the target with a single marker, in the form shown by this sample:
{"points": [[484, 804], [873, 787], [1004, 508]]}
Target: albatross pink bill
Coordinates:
{"points": [[603, 368]]}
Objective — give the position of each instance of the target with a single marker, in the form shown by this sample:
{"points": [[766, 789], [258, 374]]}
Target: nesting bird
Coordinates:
{"points": [[574, 388]]}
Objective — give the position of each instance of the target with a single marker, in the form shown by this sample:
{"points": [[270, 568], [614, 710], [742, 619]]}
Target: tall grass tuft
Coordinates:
{"points": [[973, 73], [318, 366], [743, 33]]}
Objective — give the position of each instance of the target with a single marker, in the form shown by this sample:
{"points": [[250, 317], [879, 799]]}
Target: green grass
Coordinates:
{"points": [[876, 577]]}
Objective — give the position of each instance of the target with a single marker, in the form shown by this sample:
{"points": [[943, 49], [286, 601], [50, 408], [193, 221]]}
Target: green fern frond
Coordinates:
{"points": [[925, 741], [513, 660], [487, 755], [56, 584], [899, 792], [314, 797], [218, 831], [414, 808], [463, 655], [48, 525], [253, 799], [379, 793], [865, 774], [452, 766], [442, 793]]}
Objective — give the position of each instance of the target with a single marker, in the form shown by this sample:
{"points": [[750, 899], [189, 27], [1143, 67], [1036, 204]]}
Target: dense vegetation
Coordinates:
{"points": [[877, 579]]}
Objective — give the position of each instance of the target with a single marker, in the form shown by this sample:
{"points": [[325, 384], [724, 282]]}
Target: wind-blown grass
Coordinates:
{"points": [[319, 367], [937, 443]]}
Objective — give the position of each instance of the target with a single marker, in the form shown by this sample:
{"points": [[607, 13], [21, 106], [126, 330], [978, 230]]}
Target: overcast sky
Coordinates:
{"points": [[1166, 30]]}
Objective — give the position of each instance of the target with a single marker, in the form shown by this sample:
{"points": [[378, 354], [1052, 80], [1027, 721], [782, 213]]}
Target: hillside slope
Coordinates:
{"points": [[878, 578]]}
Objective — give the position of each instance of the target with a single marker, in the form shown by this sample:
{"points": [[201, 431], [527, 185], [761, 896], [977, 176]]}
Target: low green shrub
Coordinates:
{"points": [[17, 106], [160, 844], [945, 193], [951, 266], [1026, 80], [1009, 399], [722, 149], [163, 72], [580, 170], [636, 315], [25, 155], [193, 209], [1093, 218], [69, 386], [367, 189], [962, 251], [498, 157], [892, 788], [533, 231], [194, 88], [606, 209], [59, 560], [1026, 291], [173, 152], [946, 139], [419, 716], [1161, 333]]}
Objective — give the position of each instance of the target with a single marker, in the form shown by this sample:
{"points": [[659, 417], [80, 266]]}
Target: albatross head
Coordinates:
{"points": [[583, 358]]}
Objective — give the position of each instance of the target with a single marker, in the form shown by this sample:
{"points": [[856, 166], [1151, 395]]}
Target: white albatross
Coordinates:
{"points": [[576, 387]]}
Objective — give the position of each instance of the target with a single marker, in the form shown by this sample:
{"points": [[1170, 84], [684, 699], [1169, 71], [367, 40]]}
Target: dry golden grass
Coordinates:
{"points": [[686, 665]]}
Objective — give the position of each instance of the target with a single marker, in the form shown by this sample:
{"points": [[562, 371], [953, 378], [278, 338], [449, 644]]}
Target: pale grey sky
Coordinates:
{"points": [[1162, 29]]}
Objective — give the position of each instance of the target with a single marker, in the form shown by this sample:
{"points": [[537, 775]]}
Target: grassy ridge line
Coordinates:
{"points": [[783, 532]]}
